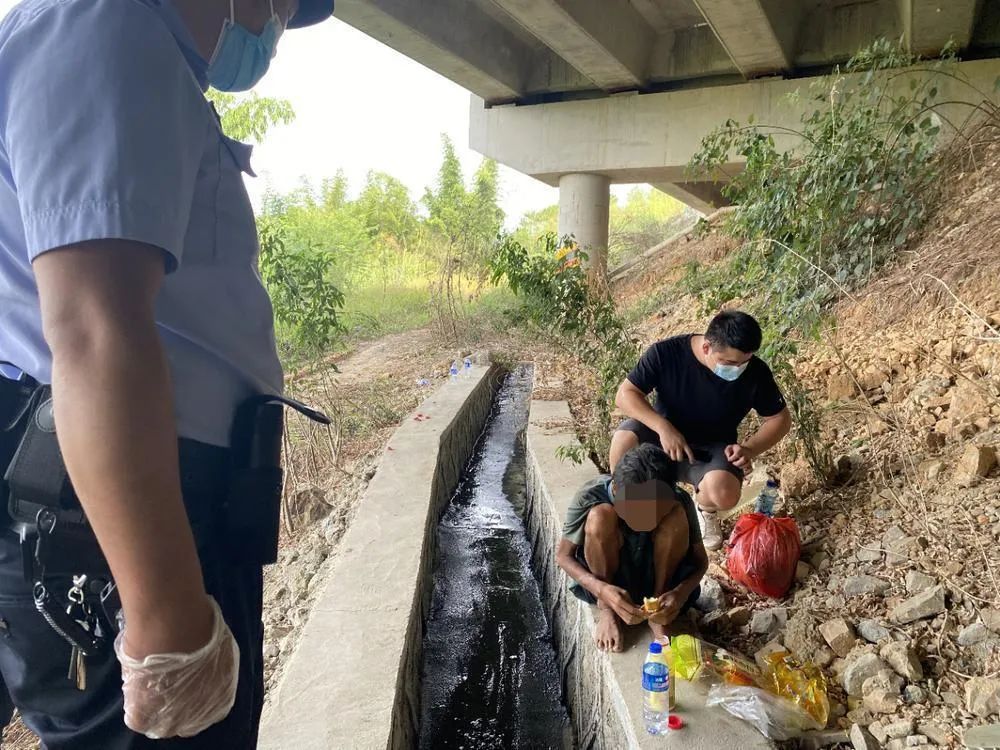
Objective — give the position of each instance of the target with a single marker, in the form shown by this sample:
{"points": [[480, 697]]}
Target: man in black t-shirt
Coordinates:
{"points": [[705, 385]]}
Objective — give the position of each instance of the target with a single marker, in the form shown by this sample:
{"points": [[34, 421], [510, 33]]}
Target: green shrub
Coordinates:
{"points": [[822, 218], [306, 303], [559, 298]]}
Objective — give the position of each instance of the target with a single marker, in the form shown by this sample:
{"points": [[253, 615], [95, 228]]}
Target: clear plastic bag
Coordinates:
{"points": [[773, 716], [801, 683]]}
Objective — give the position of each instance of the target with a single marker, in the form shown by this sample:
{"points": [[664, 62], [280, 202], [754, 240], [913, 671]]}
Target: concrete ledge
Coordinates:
{"points": [[353, 680], [603, 691]]}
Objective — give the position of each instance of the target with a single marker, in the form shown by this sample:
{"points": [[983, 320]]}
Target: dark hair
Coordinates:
{"points": [[643, 464], [736, 330]]}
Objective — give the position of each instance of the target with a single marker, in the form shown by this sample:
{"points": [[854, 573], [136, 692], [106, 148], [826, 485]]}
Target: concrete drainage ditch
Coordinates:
{"points": [[385, 620]]}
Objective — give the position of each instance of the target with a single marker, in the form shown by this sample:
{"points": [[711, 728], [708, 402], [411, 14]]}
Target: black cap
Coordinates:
{"points": [[311, 12]]}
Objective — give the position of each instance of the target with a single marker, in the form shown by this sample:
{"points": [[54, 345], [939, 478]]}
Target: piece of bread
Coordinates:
{"points": [[651, 604]]}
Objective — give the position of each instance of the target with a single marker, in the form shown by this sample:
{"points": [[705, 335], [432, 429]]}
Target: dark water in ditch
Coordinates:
{"points": [[490, 676]]}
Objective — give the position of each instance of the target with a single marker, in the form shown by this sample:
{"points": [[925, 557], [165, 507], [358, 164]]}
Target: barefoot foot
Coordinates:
{"points": [[608, 633]]}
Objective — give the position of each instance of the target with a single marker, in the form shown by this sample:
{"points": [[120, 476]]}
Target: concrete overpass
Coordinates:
{"points": [[581, 94]]}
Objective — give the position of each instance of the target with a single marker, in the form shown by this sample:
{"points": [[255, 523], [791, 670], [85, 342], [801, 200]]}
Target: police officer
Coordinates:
{"points": [[128, 281]]}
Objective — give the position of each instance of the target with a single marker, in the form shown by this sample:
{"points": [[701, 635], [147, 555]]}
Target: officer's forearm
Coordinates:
{"points": [[770, 433], [633, 402], [115, 422]]}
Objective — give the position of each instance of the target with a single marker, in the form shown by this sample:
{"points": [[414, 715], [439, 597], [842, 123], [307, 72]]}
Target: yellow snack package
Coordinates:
{"points": [[803, 684]]}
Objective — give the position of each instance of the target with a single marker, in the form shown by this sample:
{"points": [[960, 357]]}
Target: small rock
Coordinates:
{"points": [[967, 402], [898, 729], [932, 468], [821, 739], [892, 535], [869, 554], [861, 585], [798, 480], [925, 604], [917, 581], [862, 739], [859, 670], [939, 734], [802, 571], [991, 619], [901, 551], [712, 596], [769, 621], [840, 387], [903, 660], [916, 740], [951, 699], [982, 696], [881, 701], [271, 651], [766, 650], [716, 621], [839, 634], [872, 631], [972, 634], [914, 694], [739, 616], [823, 657], [976, 462]]}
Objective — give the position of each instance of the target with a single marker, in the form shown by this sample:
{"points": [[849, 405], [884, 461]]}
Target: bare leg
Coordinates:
{"points": [[621, 443], [719, 490], [670, 544], [602, 546]]}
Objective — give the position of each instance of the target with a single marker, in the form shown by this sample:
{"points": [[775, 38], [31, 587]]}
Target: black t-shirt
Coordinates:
{"points": [[701, 405]]}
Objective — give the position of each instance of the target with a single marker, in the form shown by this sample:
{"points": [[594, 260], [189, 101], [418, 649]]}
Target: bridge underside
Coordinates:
{"points": [[623, 90]]}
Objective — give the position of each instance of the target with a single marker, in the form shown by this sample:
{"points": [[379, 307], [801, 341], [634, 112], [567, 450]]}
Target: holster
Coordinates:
{"points": [[36, 482]]}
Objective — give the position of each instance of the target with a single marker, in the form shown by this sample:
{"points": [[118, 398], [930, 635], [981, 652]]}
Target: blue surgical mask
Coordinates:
{"points": [[730, 372], [242, 58]]}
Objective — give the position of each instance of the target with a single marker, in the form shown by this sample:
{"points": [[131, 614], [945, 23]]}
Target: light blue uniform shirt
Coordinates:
{"points": [[105, 134]]}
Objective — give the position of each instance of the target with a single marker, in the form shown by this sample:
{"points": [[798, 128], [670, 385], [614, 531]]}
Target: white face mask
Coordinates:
{"points": [[730, 372], [242, 58]]}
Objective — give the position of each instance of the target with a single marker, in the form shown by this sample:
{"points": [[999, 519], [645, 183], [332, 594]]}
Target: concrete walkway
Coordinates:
{"points": [[603, 690]]}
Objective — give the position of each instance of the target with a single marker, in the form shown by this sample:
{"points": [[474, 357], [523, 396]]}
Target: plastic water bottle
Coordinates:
{"points": [[767, 498], [467, 367], [656, 690], [453, 372]]}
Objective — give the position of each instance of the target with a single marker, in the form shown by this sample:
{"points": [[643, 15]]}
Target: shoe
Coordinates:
{"points": [[711, 530]]}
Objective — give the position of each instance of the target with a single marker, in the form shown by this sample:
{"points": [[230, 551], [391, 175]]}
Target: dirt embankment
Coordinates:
{"points": [[900, 565]]}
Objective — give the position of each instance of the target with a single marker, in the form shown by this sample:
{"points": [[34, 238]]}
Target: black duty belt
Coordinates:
{"points": [[232, 496]]}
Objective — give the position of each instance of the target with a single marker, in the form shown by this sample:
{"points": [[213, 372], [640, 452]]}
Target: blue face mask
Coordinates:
{"points": [[730, 372], [241, 58]]}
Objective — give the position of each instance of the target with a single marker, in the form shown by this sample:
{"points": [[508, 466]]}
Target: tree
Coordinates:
{"points": [[248, 118]]}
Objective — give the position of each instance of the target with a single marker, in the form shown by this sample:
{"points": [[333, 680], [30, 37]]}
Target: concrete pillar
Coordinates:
{"points": [[584, 213]]}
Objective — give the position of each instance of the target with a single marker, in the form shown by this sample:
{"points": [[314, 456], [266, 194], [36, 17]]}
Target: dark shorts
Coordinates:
{"points": [[709, 457], [635, 570]]}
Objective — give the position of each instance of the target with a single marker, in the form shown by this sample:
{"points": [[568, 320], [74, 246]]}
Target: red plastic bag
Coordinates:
{"points": [[763, 553]]}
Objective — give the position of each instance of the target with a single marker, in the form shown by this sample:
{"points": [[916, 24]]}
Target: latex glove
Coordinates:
{"points": [[181, 695]]}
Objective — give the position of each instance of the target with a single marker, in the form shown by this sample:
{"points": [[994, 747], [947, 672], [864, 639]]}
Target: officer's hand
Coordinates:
{"points": [[674, 444], [740, 456], [181, 694]]}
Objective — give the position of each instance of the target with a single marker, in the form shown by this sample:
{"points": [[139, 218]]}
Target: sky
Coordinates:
{"points": [[362, 106]]}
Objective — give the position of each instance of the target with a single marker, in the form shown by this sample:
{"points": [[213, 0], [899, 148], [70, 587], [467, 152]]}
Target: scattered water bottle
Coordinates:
{"points": [[467, 367], [767, 498], [453, 372], [656, 690]]}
